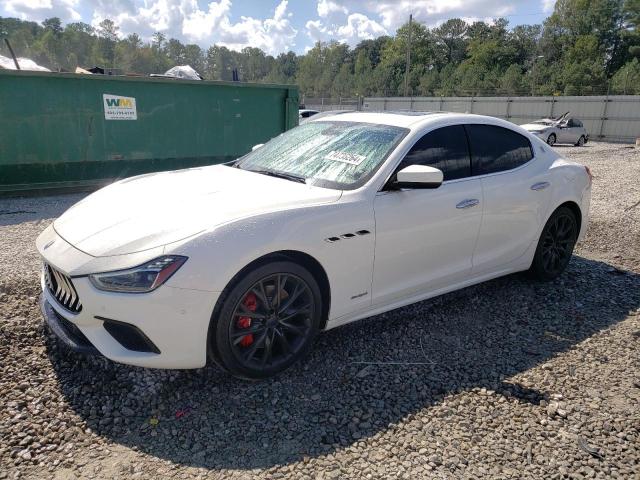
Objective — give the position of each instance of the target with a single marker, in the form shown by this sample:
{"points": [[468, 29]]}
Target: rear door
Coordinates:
{"points": [[515, 191]]}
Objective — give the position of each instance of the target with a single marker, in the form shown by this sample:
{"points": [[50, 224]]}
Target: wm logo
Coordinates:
{"points": [[119, 102]]}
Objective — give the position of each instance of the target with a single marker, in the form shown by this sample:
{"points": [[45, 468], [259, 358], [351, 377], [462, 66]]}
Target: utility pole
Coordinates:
{"points": [[408, 65], [13, 55]]}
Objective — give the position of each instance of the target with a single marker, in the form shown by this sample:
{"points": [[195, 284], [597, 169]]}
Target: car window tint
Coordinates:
{"points": [[446, 149], [495, 149]]}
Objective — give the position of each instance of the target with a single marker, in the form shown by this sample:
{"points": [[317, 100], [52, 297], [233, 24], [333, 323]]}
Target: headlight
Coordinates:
{"points": [[142, 279]]}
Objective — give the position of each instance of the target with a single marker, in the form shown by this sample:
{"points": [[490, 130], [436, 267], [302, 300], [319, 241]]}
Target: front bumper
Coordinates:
{"points": [[165, 328], [173, 322], [67, 332]]}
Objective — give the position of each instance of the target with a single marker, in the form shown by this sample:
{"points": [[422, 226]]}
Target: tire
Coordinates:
{"points": [[581, 141], [551, 140], [555, 246], [256, 334]]}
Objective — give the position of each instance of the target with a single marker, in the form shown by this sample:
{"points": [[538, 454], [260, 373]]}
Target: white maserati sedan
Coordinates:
{"points": [[333, 221]]}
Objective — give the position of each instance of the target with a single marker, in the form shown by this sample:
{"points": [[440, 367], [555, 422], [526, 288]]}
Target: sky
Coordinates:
{"points": [[275, 26]]}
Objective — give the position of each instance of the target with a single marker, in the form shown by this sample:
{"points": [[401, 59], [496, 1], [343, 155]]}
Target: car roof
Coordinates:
{"points": [[409, 119]]}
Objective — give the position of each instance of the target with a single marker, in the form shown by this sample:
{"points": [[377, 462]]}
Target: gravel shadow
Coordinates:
{"points": [[18, 210], [360, 379]]}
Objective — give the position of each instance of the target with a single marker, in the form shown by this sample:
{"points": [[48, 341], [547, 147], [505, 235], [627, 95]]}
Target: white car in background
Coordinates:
{"points": [[563, 129], [333, 221]]}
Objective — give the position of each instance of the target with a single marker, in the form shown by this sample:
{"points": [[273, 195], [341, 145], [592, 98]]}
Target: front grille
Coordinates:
{"points": [[61, 287]]}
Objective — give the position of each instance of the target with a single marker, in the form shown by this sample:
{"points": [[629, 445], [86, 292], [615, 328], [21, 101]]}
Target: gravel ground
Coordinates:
{"points": [[509, 379]]}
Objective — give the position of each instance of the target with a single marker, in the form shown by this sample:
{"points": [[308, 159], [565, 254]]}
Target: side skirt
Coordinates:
{"points": [[378, 309]]}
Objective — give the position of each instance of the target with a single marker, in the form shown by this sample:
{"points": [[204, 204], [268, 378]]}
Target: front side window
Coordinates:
{"points": [[339, 155], [496, 149], [446, 149]]}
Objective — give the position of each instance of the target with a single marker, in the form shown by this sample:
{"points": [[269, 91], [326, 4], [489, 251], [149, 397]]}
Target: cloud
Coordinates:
{"points": [[200, 25], [392, 14], [548, 5], [38, 10], [316, 30], [359, 27], [335, 23], [185, 20], [328, 7]]}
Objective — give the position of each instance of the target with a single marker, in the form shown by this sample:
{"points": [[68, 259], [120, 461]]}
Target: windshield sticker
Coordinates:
{"points": [[345, 157]]}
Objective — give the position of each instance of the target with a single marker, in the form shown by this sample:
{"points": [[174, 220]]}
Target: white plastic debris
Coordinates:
{"points": [[25, 64], [183, 71]]}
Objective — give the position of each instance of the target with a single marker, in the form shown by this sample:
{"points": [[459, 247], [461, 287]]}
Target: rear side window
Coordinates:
{"points": [[446, 149], [496, 149]]}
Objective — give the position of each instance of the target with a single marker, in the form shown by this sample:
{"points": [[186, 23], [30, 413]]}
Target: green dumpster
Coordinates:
{"points": [[70, 130]]}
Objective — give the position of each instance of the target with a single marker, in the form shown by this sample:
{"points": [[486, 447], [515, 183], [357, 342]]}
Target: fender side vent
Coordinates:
{"points": [[363, 232], [332, 239], [348, 235], [129, 336]]}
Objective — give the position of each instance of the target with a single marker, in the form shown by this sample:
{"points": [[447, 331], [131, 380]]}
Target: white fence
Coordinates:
{"points": [[615, 117]]}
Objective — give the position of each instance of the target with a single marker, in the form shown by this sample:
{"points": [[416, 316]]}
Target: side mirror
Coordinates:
{"points": [[255, 147], [418, 176]]}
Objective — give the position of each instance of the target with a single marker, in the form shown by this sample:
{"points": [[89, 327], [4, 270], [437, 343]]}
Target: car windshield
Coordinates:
{"points": [[339, 155]]}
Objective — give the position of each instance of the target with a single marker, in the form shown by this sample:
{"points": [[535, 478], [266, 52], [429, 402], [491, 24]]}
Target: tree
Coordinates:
{"points": [[193, 56], [106, 46], [582, 46], [310, 70], [512, 80], [452, 35], [220, 64], [363, 70], [525, 40], [429, 83], [582, 72], [176, 52], [254, 64], [602, 19], [54, 24], [626, 81], [157, 40]]}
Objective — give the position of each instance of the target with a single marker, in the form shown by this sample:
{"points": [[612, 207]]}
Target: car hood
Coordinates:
{"points": [[155, 209], [536, 127]]}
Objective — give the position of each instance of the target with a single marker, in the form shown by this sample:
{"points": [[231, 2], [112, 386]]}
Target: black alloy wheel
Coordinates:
{"points": [[581, 141], [551, 140], [268, 321], [556, 244]]}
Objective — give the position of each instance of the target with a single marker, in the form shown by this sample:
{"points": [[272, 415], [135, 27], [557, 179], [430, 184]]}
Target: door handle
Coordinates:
{"points": [[468, 203], [540, 185]]}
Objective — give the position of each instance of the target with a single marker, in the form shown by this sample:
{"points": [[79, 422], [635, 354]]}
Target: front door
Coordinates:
{"points": [[425, 238], [569, 132]]}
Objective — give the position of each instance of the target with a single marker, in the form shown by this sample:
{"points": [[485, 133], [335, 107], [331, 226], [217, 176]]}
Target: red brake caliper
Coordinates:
{"points": [[251, 303]]}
